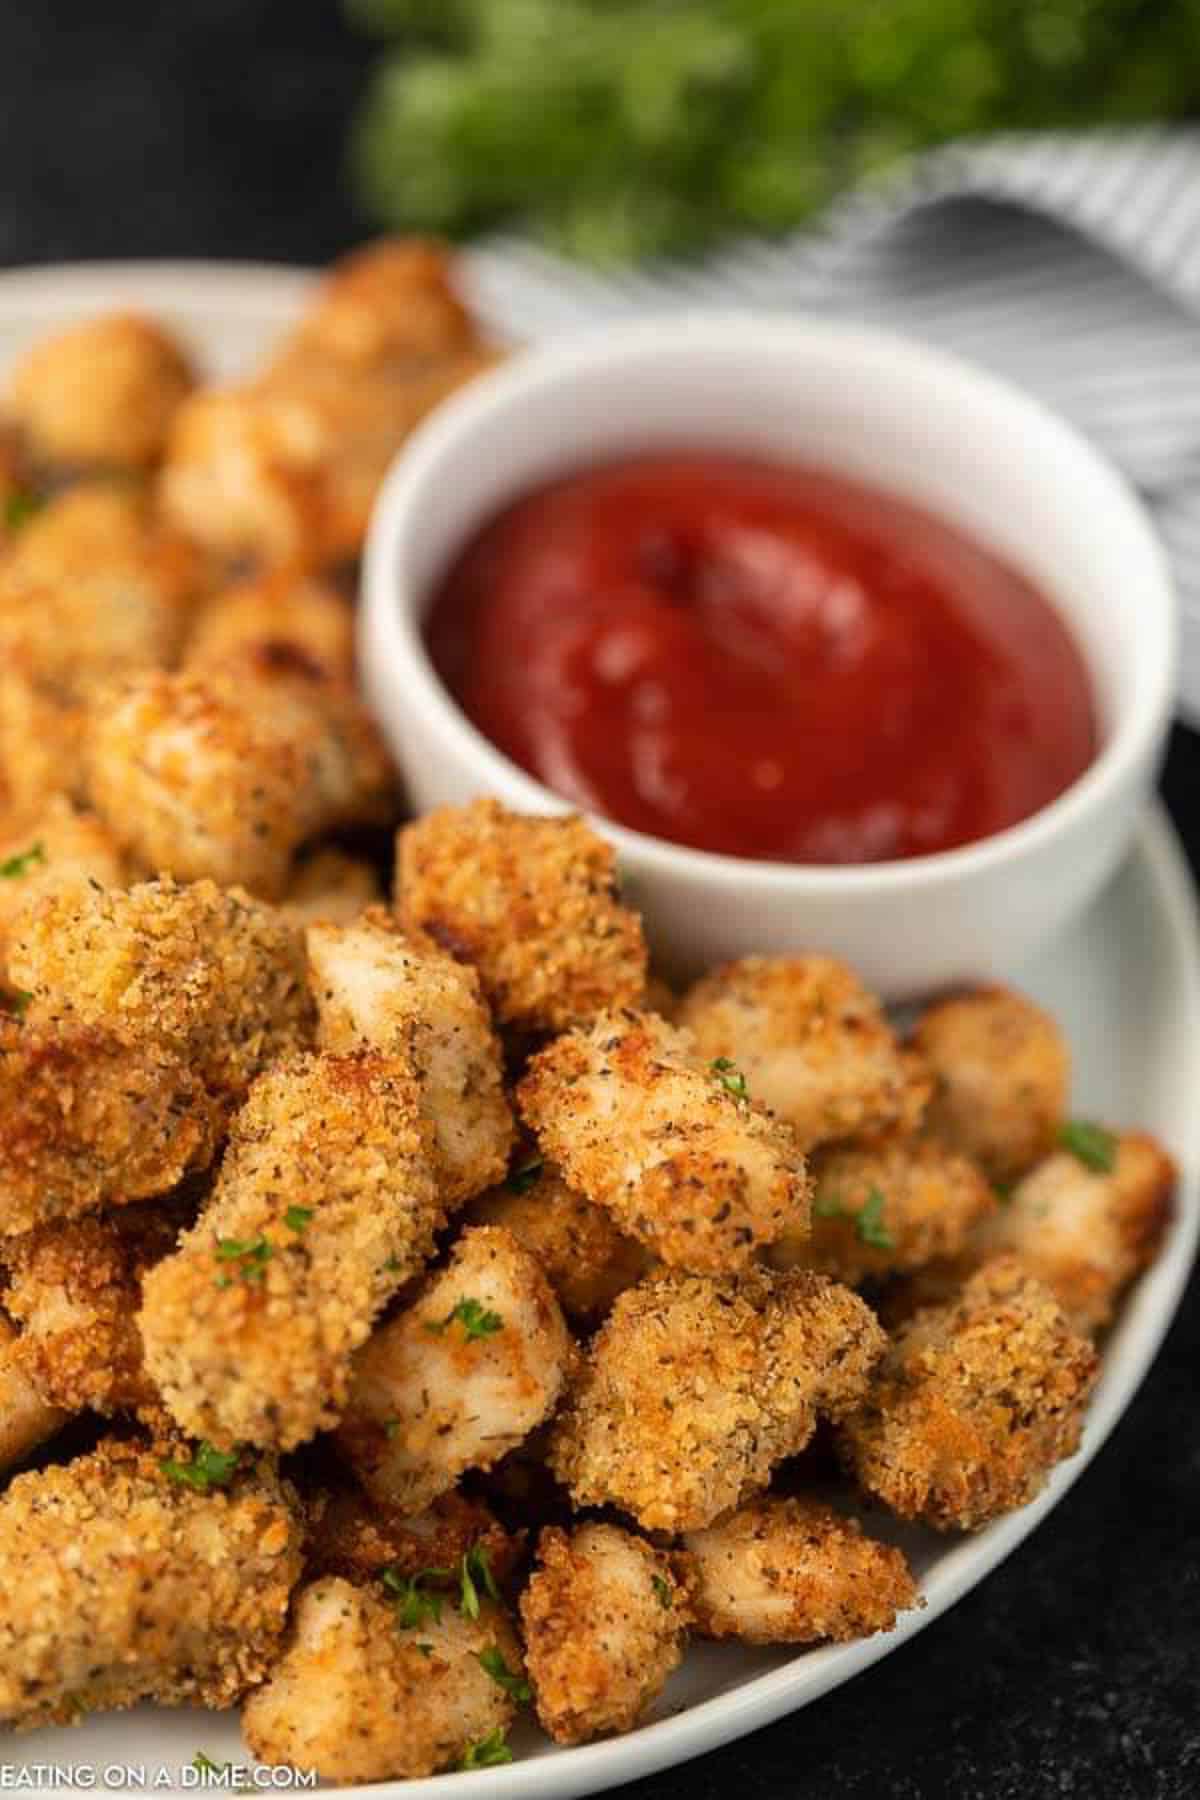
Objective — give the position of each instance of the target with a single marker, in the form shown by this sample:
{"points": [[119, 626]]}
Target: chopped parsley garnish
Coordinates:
{"points": [[868, 1221], [21, 864], [730, 1077], [476, 1573], [391, 1427], [662, 1589], [209, 1468], [522, 1179], [19, 508], [15, 1001], [1003, 1191], [393, 1266], [1095, 1147], [415, 1603], [298, 1218], [250, 1254], [204, 1765], [475, 1319], [492, 1659], [488, 1752]]}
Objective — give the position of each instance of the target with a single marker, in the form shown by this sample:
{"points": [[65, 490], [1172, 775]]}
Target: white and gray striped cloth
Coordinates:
{"points": [[1069, 263]]}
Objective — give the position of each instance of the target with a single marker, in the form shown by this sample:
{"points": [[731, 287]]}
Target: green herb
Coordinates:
{"points": [[425, 1649], [16, 1001], [20, 506], [522, 1179], [21, 865], [1095, 1147], [391, 1427], [476, 1573], [867, 1221], [474, 1318], [204, 1765], [492, 1659], [393, 1266], [730, 1077], [1003, 1191], [298, 1218], [414, 1602], [251, 1255], [209, 1468], [488, 1752], [662, 1589]]}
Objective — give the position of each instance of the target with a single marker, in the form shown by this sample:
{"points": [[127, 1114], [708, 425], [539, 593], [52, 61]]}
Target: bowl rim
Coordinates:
{"points": [[391, 633]]}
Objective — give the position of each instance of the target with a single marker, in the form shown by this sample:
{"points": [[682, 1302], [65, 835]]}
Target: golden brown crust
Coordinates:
{"points": [[349, 1535], [642, 1127], [694, 1389], [25, 1419], [329, 888], [792, 1571], [276, 617], [531, 902], [55, 849], [605, 1623], [974, 1403]]}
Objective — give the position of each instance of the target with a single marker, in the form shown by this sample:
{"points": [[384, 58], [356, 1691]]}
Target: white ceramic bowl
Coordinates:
{"points": [[924, 425]]}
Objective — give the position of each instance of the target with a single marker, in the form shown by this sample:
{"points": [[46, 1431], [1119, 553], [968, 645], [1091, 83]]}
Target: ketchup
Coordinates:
{"points": [[763, 660]]}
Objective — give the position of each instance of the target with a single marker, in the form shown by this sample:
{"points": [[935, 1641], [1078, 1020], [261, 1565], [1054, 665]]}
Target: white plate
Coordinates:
{"points": [[1125, 981]]}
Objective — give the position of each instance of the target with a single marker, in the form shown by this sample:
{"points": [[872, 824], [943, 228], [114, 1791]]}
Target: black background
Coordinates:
{"points": [[215, 128]]}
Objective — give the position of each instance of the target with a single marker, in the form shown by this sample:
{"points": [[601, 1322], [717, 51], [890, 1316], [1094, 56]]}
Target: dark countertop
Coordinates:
{"points": [[214, 128]]}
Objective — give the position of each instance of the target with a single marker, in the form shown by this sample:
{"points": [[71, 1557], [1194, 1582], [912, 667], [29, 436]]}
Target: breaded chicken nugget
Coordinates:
{"points": [[1086, 1233], [605, 1624], [676, 1152], [1002, 1072], [57, 849], [792, 1571], [585, 1258], [459, 1377], [329, 888], [357, 1697], [101, 394], [277, 615], [25, 1419], [225, 773], [531, 902], [812, 1043], [75, 1290], [886, 1206], [351, 1536], [286, 466], [325, 1204], [974, 1403], [692, 1391], [122, 1584], [375, 987]]}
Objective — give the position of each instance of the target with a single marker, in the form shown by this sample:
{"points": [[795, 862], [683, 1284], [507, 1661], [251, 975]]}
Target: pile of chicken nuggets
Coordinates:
{"points": [[416, 1312]]}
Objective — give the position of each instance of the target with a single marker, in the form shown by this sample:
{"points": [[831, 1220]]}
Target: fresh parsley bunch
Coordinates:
{"points": [[624, 128]]}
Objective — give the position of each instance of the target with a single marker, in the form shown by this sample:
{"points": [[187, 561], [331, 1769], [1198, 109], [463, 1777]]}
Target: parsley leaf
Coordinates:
{"points": [[488, 1752], [251, 1254], [476, 1573], [20, 506], [209, 1467], [15, 1001], [867, 1221], [414, 1603], [21, 864], [1094, 1147], [662, 1589], [298, 1218], [522, 1179], [475, 1319], [492, 1659], [730, 1077]]}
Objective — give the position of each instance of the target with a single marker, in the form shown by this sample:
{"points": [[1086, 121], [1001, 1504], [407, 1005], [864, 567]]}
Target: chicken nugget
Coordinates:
{"points": [[605, 1624], [57, 849], [974, 1403], [531, 902], [792, 1571], [673, 1149], [459, 1377], [1002, 1073], [692, 1390], [812, 1043], [325, 1204], [277, 617], [25, 1419]]}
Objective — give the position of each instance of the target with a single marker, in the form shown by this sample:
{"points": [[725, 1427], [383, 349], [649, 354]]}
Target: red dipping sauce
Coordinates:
{"points": [[763, 660]]}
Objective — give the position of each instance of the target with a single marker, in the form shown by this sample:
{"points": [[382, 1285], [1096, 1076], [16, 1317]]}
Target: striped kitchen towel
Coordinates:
{"points": [[1068, 262]]}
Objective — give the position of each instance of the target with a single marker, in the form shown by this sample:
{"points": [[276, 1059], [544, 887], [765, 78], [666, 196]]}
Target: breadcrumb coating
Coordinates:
{"points": [[532, 903], [792, 1571], [101, 394], [375, 987], [1002, 1073], [583, 1255], [974, 1403], [812, 1043], [329, 888], [58, 849], [276, 615], [25, 1419], [75, 1289], [886, 1206], [459, 1377], [325, 1204], [224, 773], [670, 1147], [357, 1698], [605, 1625], [122, 1585], [1084, 1233], [285, 467], [351, 1536], [693, 1389]]}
